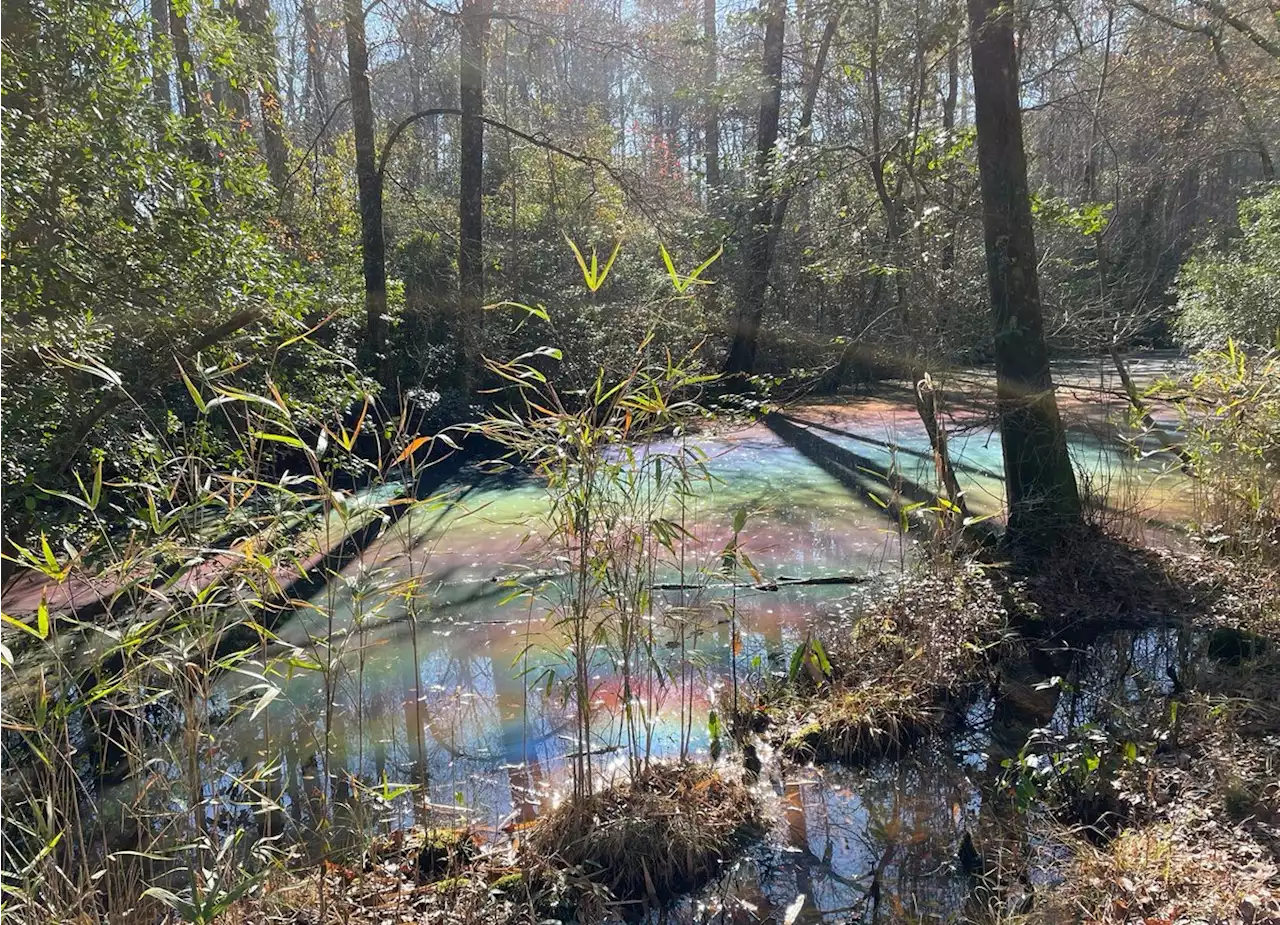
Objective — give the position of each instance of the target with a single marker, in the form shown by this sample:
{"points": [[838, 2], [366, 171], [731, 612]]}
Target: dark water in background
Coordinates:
{"points": [[459, 686]]}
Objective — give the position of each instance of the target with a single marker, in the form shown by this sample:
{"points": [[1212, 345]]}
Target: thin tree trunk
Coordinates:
{"points": [[711, 130], [1251, 127], [258, 24], [236, 98], [475, 34], [372, 240], [191, 110], [1095, 123], [316, 100], [159, 71], [806, 125], [757, 254], [1039, 481], [948, 260], [927, 408]]}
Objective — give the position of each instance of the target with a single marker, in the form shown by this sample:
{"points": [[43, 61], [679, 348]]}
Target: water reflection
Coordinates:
{"points": [[437, 684]]}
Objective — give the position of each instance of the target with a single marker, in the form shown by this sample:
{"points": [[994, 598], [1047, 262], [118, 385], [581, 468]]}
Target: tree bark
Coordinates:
{"points": [[1039, 480], [758, 250], [190, 89], [475, 34], [258, 24], [1251, 127], [235, 98], [318, 97], [159, 72], [369, 180], [711, 129], [949, 103]]}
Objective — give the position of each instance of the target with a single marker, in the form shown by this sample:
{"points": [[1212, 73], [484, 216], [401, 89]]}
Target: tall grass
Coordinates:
{"points": [[125, 794], [615, 522]]}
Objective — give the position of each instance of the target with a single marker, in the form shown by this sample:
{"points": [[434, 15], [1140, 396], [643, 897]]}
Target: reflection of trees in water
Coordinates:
{"points": [[898, 825]]}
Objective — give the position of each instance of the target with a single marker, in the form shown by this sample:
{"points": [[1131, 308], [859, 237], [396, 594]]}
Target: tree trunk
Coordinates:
{"points": [[711, 130], [258, 23], [1251, 127], [1039, 480], [235, 98], [159, 71], [191, 110], [475, 34], [316, 100], [758, 250], [373, 243], [948, 126]]}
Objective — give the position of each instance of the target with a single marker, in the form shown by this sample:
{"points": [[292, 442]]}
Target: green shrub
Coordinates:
{"points": [[1233, 292]]}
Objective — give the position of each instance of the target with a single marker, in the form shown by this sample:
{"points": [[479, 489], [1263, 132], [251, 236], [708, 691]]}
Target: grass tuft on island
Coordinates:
{"points": [[910, 660], [666, 831]]}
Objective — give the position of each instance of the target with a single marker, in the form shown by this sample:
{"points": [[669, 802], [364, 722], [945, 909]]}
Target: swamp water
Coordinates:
{"points": [[448, 691]]}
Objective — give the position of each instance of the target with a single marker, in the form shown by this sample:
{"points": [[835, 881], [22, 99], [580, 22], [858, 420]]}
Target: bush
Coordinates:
{"points": [[1231, 415], [1233, 292]]}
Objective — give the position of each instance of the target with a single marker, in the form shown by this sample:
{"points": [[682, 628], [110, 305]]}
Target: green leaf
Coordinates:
{"points": [[286, 439], [196, 397], [268, 695], [18, 624]]}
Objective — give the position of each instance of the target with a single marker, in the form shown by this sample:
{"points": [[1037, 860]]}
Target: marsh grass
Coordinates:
{"points": [[661, 833], [126, 797], [912, 658]]}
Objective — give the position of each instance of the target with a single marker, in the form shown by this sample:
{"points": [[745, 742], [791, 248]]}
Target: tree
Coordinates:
{"points": [[711, 115], [159, 71], [1039, 481], [190, 89], [257, 23], [758, 247], [369, 181], [475, 37]]}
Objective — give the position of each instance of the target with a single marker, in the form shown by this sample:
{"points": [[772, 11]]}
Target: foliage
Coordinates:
{"points": [[610, 520], [1231, 292], [126, 258], [1230, 405]]}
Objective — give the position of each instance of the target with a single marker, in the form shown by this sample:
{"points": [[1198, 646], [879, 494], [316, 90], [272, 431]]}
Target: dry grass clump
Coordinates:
{"points": [[1208, 846], [437, 875], [646, 840], [864, 723], [1191, 870], [911, 657]]}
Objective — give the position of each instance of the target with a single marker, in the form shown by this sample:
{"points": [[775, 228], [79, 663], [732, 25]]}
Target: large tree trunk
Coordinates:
{"points": [[758, 250], [373, 243], [711, 128], [475, 35], [1039, 480]]}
